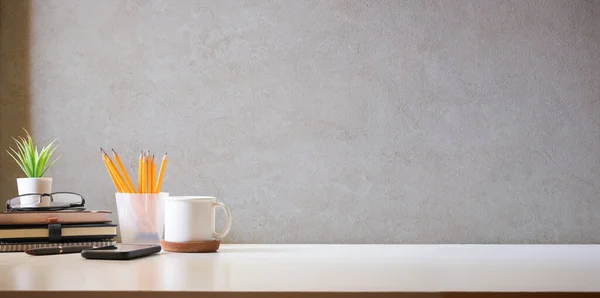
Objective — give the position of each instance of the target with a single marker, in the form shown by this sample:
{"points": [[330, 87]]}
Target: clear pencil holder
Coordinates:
{"points": [[141, 217]]}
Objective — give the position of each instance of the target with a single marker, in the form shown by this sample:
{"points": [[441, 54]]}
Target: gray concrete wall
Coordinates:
{"points": [[331, 121]]}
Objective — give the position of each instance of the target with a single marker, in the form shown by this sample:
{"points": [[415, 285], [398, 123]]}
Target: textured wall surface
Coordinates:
{"points": [[335, 121]]}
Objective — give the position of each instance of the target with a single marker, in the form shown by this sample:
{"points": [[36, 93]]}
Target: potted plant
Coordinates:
{"points": [[34, 164]]}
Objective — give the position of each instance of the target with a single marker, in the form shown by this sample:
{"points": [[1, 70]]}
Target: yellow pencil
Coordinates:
{"points": [[120, 180], [148, 180], [112, 177], [140, 171], [122, 168], [151, 175], [161, 173], [144, 175], [147, 173]]}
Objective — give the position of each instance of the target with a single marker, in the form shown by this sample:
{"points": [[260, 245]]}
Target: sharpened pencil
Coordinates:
{"points": [[161, 173]]}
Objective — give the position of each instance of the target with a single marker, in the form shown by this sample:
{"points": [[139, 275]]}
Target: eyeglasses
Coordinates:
{"points": [[57, 201]]}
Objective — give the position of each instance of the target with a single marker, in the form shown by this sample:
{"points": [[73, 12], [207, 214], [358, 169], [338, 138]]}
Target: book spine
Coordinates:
{"points": [[20, 247]]}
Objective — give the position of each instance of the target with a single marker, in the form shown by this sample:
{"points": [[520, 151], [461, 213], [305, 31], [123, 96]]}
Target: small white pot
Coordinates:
{"points": [[34, 185]]}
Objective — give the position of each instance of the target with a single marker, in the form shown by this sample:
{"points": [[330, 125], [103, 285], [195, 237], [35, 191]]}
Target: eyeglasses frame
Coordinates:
{"points": [[9, 208]]}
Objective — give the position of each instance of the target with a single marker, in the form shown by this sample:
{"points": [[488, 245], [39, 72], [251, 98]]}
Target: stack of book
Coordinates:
{"points": [[20, 231]]}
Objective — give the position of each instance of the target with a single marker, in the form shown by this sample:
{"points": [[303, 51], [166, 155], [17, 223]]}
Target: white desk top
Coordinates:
{"points": [[320, 268]]}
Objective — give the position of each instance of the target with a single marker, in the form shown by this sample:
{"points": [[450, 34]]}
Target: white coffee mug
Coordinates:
{"points": [[192, 218]]}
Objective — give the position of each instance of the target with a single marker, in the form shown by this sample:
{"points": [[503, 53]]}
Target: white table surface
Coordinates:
{"points": [[319, 268]]}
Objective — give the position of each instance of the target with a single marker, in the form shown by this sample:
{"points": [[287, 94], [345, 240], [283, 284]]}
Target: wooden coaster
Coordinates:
{"points": [[195, 246]]}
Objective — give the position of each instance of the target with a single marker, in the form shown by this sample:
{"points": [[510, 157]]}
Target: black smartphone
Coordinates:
{"points": [[123, 252]]}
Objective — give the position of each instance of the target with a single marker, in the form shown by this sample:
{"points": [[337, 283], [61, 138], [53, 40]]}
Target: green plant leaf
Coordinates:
{"points": [[29, 161], [22, 144], [44, 157], [24, 157], [42, 160], [31, 152], [19, 162], [37, 162], [29, 158], [49, 165]]}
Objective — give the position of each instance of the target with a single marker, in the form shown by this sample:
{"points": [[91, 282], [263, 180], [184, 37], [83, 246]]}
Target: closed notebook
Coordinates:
{"points": [[56, 232], [23, 246], [63, 216]]}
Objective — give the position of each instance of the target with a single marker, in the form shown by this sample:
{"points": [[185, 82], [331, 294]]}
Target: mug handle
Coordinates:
{"points": [[227, 220]]}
